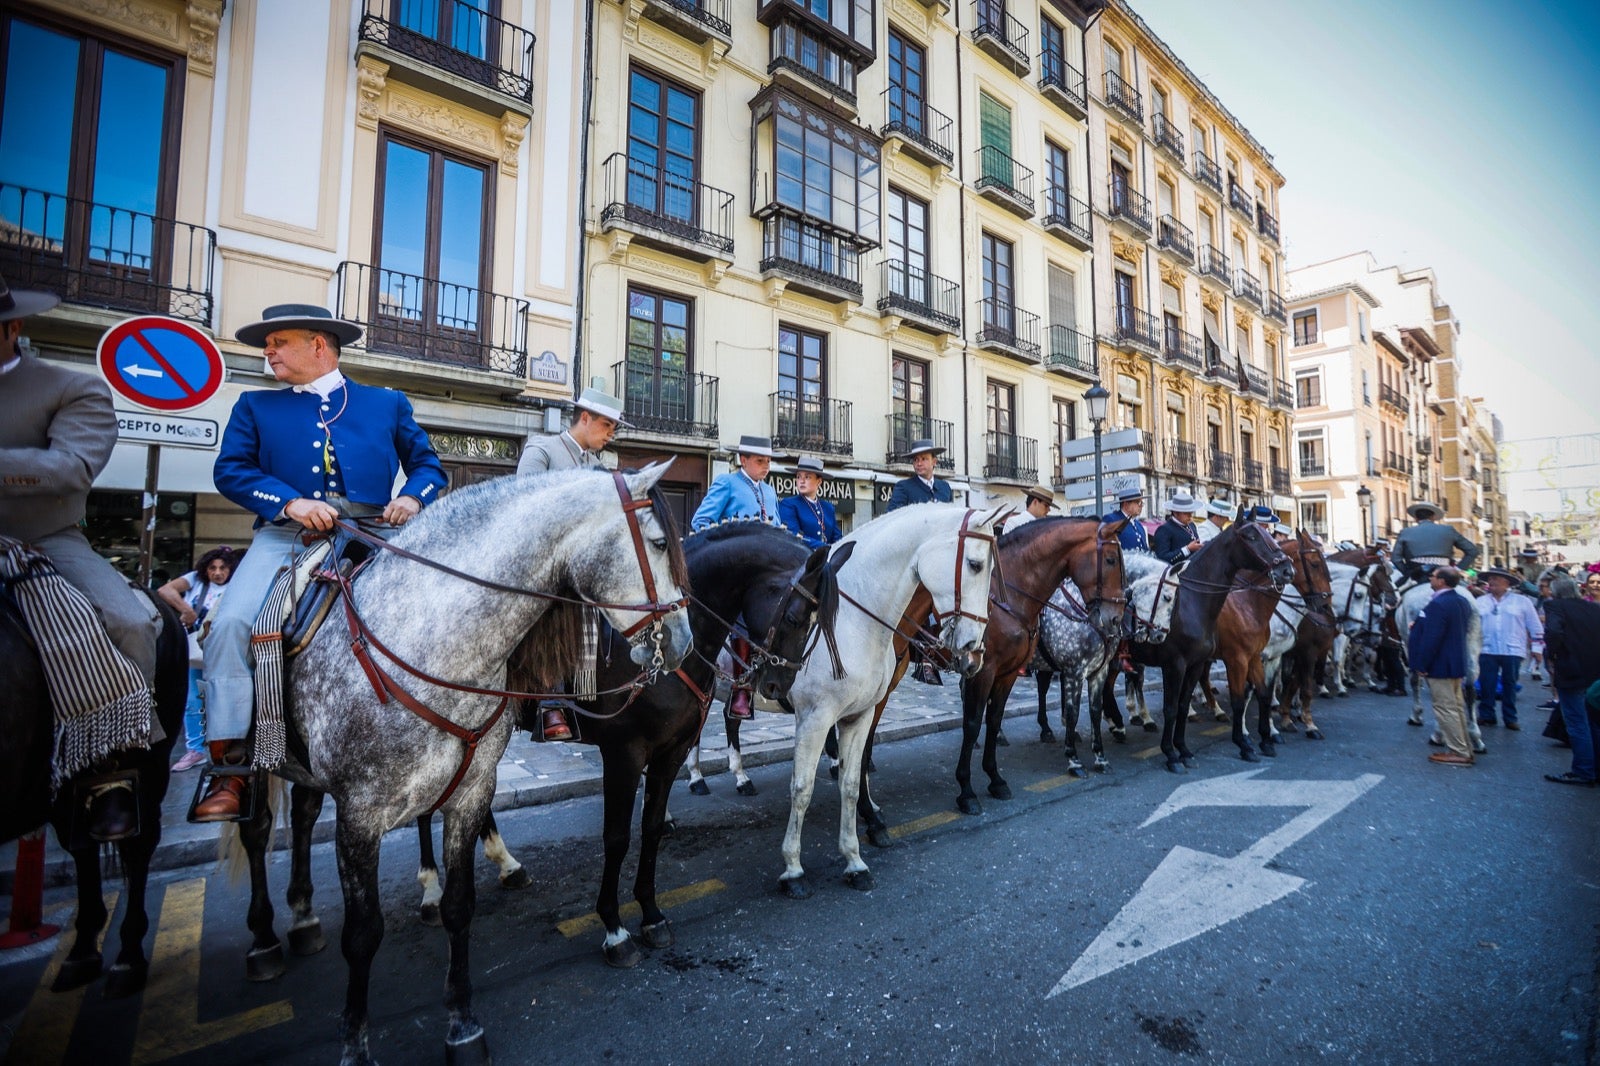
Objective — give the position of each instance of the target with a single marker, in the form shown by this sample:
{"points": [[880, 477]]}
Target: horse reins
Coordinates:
{"points": [[925, 645]]}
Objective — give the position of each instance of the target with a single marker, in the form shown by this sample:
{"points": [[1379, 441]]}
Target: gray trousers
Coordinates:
{"points": [[129, 617]]}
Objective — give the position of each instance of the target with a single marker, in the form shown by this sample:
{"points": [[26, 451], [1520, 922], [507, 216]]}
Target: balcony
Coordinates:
{"points": [[1004, 181], [1274, 308], [1128, 207], [906, 429], [1260, 381], [666, 400], [1240, 201], [433, 320], [1217, 366], [1133, 330], [1008, 457], [1181, 458], [1282, 394], [815, 424], [1214, 263], [698, 20], [1001, 35], [1396, 463], [811, 58], [1255, 475], [461, 40], [922, 131], [1206, 172], [810, 258], [1071, 353], [1124, 97], [1182, 347], [1067, 217], [1007, 331], [1221, 466], [1266, 224], [924, 300], [1392, 397], [1063, 83], [1246, 286], [667, 210], [1168, 137], [1313, 467], [97, 255], [1176, 239], [1280, 480], [1424, 446]]}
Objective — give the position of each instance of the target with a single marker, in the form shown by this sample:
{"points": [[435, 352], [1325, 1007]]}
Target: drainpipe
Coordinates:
{"points": [[961, 157], [583, 200], [1088, 172]]}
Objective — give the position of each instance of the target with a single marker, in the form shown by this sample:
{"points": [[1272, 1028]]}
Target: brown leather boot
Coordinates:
{"points": [[225, 799], [555, 725]]}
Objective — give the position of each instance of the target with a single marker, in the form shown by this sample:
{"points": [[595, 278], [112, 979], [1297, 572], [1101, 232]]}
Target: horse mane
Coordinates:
{"points": [[1023, 535], [827, 616]]}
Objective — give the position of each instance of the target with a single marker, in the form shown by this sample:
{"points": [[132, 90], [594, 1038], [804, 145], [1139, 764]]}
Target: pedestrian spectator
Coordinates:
{"points": [[193, 596], [1572, 648], [1511, 633], [1037, 502], [1591, 588], [1438, 650]]}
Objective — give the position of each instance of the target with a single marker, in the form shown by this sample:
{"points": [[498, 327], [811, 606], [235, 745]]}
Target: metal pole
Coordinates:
{"points": [[147, 532], [1099, 488]]}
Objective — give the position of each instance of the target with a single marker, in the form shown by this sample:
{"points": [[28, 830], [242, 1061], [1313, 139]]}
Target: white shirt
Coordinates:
{"points": [[1207, 531], [325, 386], [1510, 624]]}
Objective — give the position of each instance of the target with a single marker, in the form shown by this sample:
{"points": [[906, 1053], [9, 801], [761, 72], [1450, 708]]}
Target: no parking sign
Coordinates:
{"points": [[160, 363]]}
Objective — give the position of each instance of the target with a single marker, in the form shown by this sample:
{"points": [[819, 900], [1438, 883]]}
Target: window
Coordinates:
{"points": [[801, 362], [1247, 442], [460, 24], [1113, 56], [908, 103], [1063, 294], [1372, 463], [663, 147], [1058, 172], [1158, 101], [1065, 420], [1165, 198], [1207, 227], [1313, 454], [1052, 53], [826, 171], [1121, 183], [1366, 388], [909, 392], [907, 247], [1129, 402], [1308, 388], [1241, 338], [1314, 516], [1272, 357], [1177, 417], [1361, 323], [1305, 328], [1197, 133], [999, 310], [1123, 288], [1002, 407], [853, 18], [660, 354], [994, 131]]}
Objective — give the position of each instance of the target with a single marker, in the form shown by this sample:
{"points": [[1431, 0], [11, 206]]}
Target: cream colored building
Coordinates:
{"points": [[412, 167]]}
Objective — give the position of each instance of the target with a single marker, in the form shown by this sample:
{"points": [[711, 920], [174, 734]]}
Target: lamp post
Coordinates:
{"points": [[1364, 498], [1097, 398]]}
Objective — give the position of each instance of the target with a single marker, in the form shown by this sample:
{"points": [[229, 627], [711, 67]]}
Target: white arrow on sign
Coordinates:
{"points": [[134, 370], [1193, 892]]}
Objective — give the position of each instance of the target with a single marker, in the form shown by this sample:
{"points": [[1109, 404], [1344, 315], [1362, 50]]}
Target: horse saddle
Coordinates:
{"points": [[311, 590]]}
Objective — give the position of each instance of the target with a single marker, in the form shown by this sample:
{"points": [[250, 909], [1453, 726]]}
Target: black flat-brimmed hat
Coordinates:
{"points": [[924, 444], [21, 303], [297, 316], [1500, 571]]}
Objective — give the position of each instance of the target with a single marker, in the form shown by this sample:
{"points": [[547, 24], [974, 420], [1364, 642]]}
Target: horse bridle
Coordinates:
{"points": [[962, 536], [1079, 611], [1312, 608]]}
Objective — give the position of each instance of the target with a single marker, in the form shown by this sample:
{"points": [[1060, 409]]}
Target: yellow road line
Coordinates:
{"points": [[169, 1017], [1148, 753], [1050, 782], [918, 825], [46, 1026], [1217, 732], [688, 893]]}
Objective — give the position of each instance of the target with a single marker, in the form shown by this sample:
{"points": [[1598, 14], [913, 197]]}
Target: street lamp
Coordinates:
{"points": [[1364, 498], [1097, 398]]}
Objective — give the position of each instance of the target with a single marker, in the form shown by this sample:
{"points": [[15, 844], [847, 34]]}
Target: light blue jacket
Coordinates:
{"points": [[731, 496]]}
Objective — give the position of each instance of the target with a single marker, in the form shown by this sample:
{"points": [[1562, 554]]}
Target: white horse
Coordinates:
{"points": [[1411, 604], [1361, 606], [950, 551]]}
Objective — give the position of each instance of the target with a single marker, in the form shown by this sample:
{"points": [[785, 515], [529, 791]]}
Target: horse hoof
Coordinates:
{"points": [[1479, 748], [1194, 716], [1176, 767], [1249, 756], [516, 879], [860, 880], [1119, 735], [1343, 694], [794, 887], [428, 914], [264, 964], [669, 826], [75, 973], [968, 805], [1187, 759], [1076, 770], [1001, 741], [700, 788], [1413, 721], [1150, 727], [123, 980], [1101, 766], [1047, 736], [748, 788], [1286, 725], [307, 939], [1313, 734], [1269, 750], [833, 771], [1000, 790], [658, 935], [878, 836], [1221, 716], [468, 1051], [624, 955]]}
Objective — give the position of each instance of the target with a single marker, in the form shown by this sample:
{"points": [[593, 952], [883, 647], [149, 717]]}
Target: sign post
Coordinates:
{"points": [[162, 365]]}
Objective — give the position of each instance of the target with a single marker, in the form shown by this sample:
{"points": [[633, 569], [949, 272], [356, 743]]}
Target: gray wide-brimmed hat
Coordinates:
{"points": [[1500, 571], [1528, 553], [1424, 509], [924, 444], [1220, 508], [1182, 503], [811, 464], [750, 444], [1281, 530], [20, 303], [1043, 495], [597, 402], [1129, 495], [297, 316]]}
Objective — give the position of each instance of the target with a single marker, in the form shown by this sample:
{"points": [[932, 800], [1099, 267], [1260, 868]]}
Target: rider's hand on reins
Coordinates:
{"points": [[313, 514], [401, 510]]}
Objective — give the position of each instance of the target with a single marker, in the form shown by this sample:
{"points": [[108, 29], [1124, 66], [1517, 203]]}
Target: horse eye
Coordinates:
{"points": [[975, 565], [659, 544]]}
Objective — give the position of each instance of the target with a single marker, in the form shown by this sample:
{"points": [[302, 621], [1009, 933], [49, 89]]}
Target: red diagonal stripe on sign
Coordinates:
{"points": [[161, 361]]}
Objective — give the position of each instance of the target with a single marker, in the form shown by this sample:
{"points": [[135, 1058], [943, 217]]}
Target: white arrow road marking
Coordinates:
{"points": [[1193, 892], [134, 370]]}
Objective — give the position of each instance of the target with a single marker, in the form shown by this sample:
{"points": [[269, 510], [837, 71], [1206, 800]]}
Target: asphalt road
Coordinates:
{"points": [[1376, 908]]}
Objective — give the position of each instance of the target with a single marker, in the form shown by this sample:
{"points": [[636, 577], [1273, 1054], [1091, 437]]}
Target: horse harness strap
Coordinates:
{"points": [[961, 557], [915, 638]]}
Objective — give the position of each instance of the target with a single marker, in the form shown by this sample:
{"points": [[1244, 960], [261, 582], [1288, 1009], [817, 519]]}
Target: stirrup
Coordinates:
{"points": [[87, 790], [247, 804]]}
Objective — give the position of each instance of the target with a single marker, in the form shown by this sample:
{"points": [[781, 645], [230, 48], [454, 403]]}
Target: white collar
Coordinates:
{"points": [[325, 386], [10, 364], [928, 481]]}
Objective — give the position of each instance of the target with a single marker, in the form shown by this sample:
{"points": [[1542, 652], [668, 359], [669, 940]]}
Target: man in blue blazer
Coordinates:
{"points": [[742, 493], [922, 486], [299, 457], [1437, 646], [810, 518], [1130, 505]]}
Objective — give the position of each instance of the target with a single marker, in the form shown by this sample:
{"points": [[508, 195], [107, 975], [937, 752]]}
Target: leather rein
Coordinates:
{"points": [[1079, 609], [928, 644]]}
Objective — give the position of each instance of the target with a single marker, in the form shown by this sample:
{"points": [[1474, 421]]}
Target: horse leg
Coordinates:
{"points": [[852, 745], [1258, 684], [741, 780], [305, 928], [1173, 711], [1108, 702], [971, 722], [697, 780], [264, 960], [464, 1040], [1069, 726], [1180, 723], [357, 850], [1416, 699], [1041, 681], [83, 962], [621, 783], [830, 748], [994, 719], [654, 929], [1307, 690], [1239, 705], [512, 875], [869, 812], [427, 872], [808, 734]]}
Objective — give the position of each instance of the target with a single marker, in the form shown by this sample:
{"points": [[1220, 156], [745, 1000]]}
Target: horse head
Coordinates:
{"points": [[955, 569], [1312, 576], [1104, 580], [1152, 597], [793, 617], [1260, 552]]}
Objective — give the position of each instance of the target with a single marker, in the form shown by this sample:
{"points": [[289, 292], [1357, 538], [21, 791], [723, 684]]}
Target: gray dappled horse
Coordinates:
{"points": [[583, 534]]}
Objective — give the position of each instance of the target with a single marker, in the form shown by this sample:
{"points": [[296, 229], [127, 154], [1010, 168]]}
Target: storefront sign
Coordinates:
{"points": [[835, 489], [167, 429]]}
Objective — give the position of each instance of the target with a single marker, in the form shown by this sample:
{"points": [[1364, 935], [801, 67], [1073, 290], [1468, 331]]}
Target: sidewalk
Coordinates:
{"points": [[533, 773]]}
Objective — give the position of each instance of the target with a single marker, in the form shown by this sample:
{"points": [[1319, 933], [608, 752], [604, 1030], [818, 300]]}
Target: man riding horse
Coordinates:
{"points": [[1429, 544], [57, 429], [299, 457]]}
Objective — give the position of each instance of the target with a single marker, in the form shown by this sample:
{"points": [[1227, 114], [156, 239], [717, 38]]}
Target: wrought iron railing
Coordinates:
{"points": [[811, 423], [1167, 135], [1207, 172], [1181, 346], [1181, 458], [1282, 393], [998, 171], [914, 120], [1130, 325], [1266, 224], [664, 399], [648, 196], [993, 24], [1312, 467], [1280, 480], [911, 290], [1124, 97], [1072, 352], [1127, 204], [1064, 211], [1424, 445], [1006, 326], [433, 320], [1397, 462], [712, 14], [804, 52], [1175, 237], [905, 429], [1260, 381], [1059, 78], [1274, 308], [1254, 474], [100, 255], [1247, 286], [1240, 200], [1214, 261], [1393, 397], [457, 37], [1221, 465], [808, 252], [1009, 456]]}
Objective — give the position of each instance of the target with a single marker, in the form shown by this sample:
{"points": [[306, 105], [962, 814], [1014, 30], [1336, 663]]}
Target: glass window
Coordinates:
{"points": [[909, 379], [431, 260], [994, 129], [659, 353], [1002, 407], [464, 25], [998, 309], [908, 104], [1066, 420], [663, 146], [907, 246], [1058, 171], [801, 356], [1052, 52], [1305, 328], [821, 175]]}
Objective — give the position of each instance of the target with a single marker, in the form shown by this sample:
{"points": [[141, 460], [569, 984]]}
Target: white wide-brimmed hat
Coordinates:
{"points": [[21, 303], [1220, 508], [297, 316], [1182, 503], [603, 404]]}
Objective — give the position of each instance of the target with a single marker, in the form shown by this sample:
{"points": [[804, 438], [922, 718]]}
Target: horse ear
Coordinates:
{"points": [[1108, 530], [640, 484], [840, 555]]}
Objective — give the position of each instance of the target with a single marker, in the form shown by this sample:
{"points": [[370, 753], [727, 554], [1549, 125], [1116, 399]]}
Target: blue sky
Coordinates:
{"points": [[1457, 134]]}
